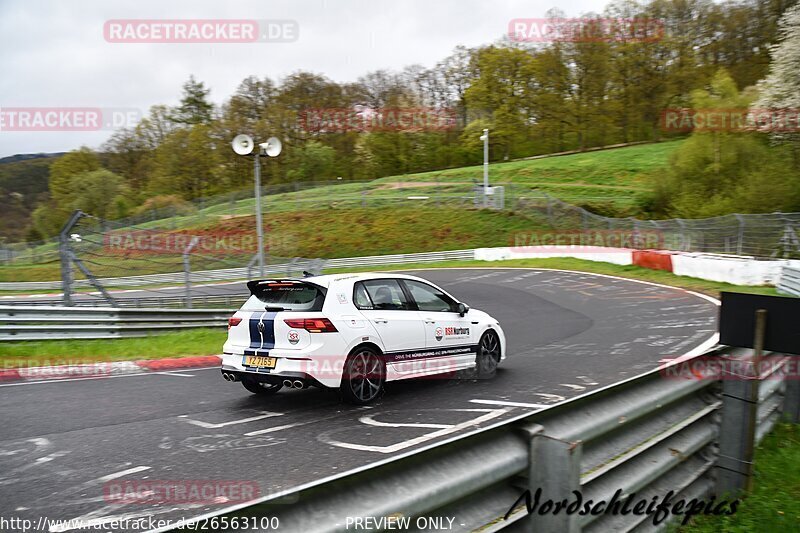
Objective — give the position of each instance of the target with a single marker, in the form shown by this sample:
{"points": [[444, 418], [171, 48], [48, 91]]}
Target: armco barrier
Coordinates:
{"points": [[646, 436], [20, 323], [789, 282]]}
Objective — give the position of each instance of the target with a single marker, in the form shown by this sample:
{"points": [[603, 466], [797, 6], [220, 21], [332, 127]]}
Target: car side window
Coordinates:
{"points": [[430, 298], [361, 298], [385, 294]]}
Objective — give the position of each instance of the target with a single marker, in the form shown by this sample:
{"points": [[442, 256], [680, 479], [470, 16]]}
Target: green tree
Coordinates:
{"points": [[781, 88], [314, 162], [194, 107], [101, 193], [719, 172], [66, 168]]}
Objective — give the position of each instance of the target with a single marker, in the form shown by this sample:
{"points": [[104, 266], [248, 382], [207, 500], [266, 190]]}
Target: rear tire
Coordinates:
{"points": [[488, 356], [260, 387], [364, 377]]}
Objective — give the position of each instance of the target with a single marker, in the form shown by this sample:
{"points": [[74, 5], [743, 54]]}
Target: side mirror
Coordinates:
{"points": [[463, 309]]}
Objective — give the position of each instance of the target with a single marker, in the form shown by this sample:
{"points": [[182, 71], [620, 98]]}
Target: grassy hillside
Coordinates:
{"points": [[398, 214], [609, 179]]}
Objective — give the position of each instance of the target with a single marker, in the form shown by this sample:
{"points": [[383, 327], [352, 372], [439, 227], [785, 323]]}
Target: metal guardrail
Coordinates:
{"points": [[790, 281], [22, 323], [647, 435], [230, 274]]}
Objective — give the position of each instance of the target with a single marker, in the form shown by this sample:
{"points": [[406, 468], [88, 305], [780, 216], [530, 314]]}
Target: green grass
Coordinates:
{"points": [[204, 341], [326, 233], [774, 504], [627, 168], [312, 222]]}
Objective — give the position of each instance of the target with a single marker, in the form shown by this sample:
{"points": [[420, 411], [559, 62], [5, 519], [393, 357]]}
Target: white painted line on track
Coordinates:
{"points": [[207, 425], [489, 415], [278, 428], [511, 404], [370, 422], [174, 374], [122, 473], [571, 386], [552, 397]]}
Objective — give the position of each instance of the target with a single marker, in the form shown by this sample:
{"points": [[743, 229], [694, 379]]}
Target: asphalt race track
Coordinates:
{"points": [[569, 333]]}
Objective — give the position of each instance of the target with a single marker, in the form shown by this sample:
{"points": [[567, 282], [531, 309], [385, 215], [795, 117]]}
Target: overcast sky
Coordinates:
{"points": [[54, 54]]}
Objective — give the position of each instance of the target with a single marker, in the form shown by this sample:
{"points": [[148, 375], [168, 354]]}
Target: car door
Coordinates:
{"points": [[394, 317], [444, 327]]}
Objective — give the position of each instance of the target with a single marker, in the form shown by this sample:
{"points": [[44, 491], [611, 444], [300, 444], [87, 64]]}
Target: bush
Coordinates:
{"points": [[173, 203]]}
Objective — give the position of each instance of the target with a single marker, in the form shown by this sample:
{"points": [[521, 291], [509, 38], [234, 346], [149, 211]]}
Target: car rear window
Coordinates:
{"points": [[284, 295]]}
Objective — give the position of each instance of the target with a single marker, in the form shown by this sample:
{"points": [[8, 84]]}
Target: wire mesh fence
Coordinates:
{"points": [[156, 242], [764, 235]]}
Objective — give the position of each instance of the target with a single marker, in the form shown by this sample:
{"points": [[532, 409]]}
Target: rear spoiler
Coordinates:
{"points": [[255, 284]]}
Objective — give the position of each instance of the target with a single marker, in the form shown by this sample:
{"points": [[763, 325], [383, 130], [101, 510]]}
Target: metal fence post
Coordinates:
{"points": [[187, 272], [737, 436], [554, 468], [65, 254], [740, 238], [791, 401]]}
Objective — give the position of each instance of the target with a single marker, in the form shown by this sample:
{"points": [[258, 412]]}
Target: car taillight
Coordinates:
{"points": [[233, 321], [312, 325]]}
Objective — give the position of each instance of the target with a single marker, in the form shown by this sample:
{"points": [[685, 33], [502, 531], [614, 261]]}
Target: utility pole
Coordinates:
{"points": [[485, 139], [259, 224]]}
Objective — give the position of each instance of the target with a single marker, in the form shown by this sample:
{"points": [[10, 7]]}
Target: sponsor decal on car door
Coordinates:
{"points": [[384, 304]]}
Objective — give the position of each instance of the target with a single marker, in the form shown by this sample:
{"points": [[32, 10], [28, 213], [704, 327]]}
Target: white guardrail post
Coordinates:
{"points": [[554, 469]]}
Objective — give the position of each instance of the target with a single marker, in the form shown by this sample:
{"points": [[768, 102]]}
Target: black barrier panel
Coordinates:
{"points": [[737, 321]]}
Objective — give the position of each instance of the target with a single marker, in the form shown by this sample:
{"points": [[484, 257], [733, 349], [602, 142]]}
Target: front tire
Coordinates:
{"points": [[364, 377], [261, 388], [488, 356]]}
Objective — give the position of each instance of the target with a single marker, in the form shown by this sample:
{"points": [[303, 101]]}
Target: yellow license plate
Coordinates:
{"points": [[260, 361]]}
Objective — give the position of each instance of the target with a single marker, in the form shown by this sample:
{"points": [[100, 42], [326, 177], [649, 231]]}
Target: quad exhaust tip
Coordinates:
{"points": [[230, 377], [296, 384]]}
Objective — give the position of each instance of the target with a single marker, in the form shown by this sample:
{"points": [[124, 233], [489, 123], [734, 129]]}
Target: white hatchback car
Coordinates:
{"points": [[355, 332]]}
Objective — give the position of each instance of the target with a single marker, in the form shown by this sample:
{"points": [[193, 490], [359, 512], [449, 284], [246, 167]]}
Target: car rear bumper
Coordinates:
{"points": [[320, 370]]}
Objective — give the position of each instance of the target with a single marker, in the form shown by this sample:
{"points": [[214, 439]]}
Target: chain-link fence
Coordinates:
{"points": [[160, 242], [280, 198], [183, 267], [765, 235]]}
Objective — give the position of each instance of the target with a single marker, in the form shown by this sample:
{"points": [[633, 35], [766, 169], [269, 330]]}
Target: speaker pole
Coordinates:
{"points": [[259, 225]]}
